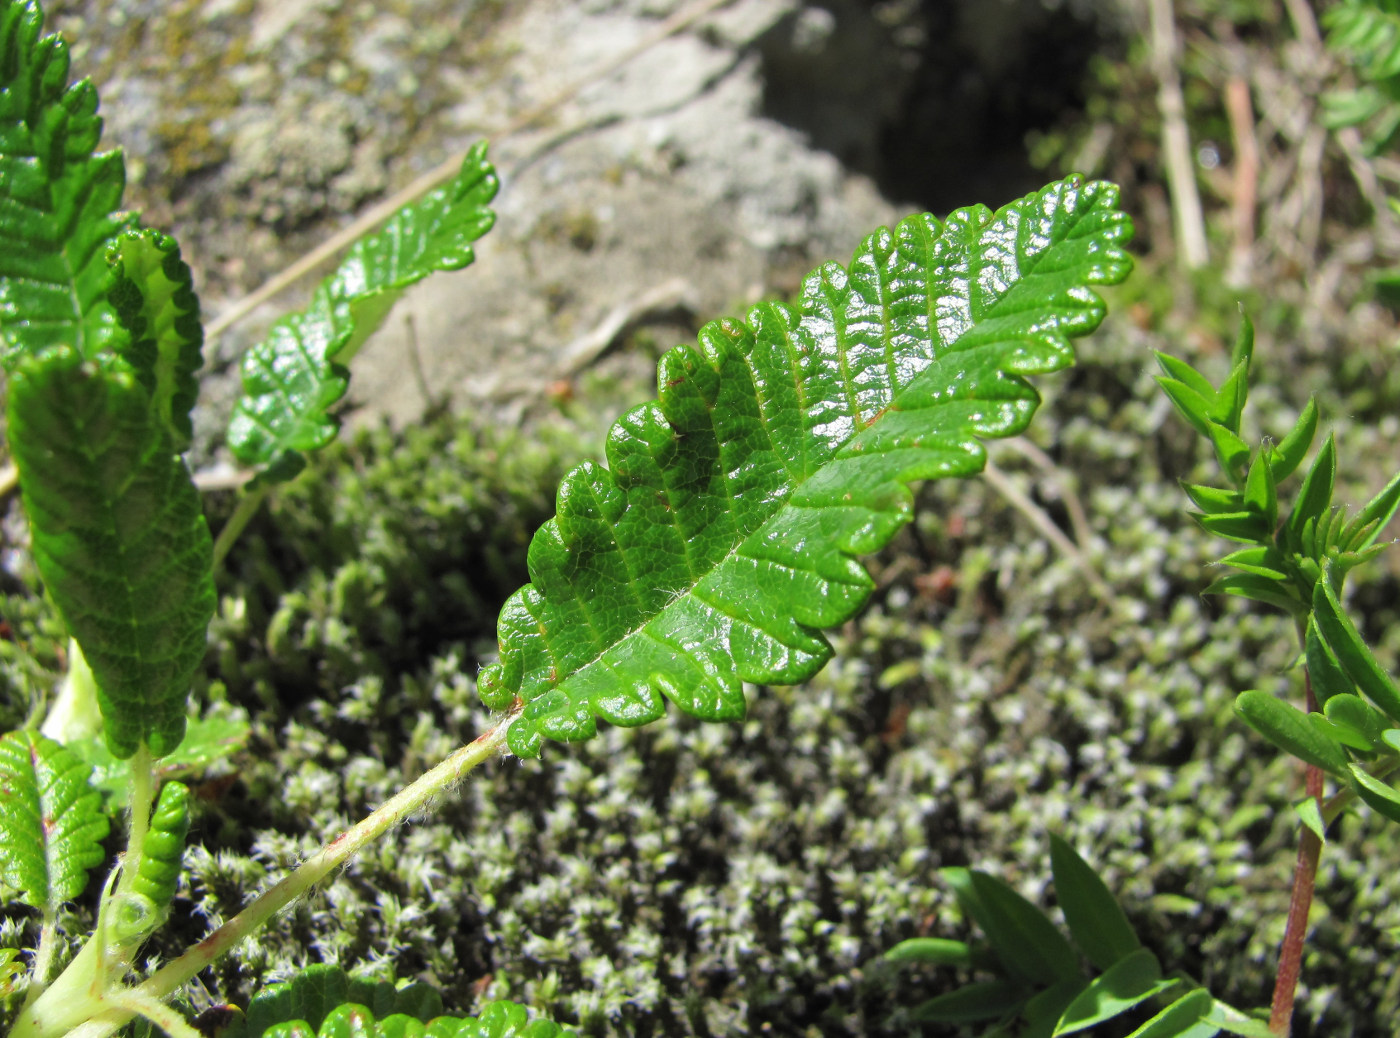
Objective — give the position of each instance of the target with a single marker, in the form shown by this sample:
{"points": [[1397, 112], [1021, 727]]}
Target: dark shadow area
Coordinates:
{"points": [[932, 99]]}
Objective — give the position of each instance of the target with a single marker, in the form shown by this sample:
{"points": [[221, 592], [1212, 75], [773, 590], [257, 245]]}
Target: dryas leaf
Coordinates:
{"points": [[119, 538], [721, 536], [56, 197], [292, 378], [51, 821], [153, 292], [324, 1002], [206, 741], [1093, 915]]}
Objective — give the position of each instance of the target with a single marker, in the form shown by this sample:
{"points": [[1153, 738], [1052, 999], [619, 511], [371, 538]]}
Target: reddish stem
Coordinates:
{"points": [[1290, 959]]}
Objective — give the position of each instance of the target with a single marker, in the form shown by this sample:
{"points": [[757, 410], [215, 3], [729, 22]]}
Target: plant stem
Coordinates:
{"points": [[99, 1017], [248, 506], [1290, 959], [140, 797]]}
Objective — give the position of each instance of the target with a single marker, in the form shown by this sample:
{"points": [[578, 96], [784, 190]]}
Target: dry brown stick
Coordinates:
{"points": [[1245, 191], [446, 170], [1004, 486], [1176, 139]]}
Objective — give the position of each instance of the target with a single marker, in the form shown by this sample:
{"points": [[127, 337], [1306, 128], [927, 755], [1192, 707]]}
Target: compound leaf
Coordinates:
{"points": [[51, 821], [56, 197], [119, 538], [293, 377], [722, 535], [153, 292]]}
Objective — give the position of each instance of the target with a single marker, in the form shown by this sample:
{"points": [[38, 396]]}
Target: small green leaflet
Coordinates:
{"points": [[722, 535], [119, 538], [57, 199], [51, 821], [153, 292], [293, 378]]}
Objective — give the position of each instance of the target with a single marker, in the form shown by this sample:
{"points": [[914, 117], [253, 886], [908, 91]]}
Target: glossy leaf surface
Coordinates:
{"points": [[51, 821], [153, 292], [293, 377], [56, 197], [721, 536], [119, 538]]}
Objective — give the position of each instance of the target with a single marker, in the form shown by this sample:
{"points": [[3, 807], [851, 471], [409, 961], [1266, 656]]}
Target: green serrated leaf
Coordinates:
{"points": [[1288, 455], [1315, 495], [1351, 652], [119, 538], [323, 999], [722, 535], [1129, 982], [51, 821], [153, 293], [1379, 796], [56, 198], [292, 378], [1093, 915], [933, 951], [981, 1000], [207, 740], [1289, 729], [1184, 1018]]}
